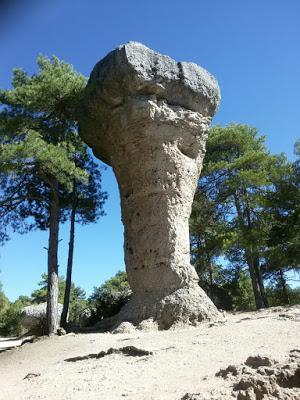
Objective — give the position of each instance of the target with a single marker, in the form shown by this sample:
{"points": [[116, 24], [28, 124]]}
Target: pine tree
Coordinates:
{"points": [[236, 176], [282, 210], [38, 135], [86, 203]]}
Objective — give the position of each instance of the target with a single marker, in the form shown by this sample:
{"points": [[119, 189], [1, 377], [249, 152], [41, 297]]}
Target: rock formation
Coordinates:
{"points": [[147, 116], [33, 317]]}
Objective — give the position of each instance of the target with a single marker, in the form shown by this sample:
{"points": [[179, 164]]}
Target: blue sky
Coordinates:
{"points": [[252, 47]]}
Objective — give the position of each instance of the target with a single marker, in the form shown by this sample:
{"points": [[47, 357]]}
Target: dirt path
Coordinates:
{"points": [[181, 361]]}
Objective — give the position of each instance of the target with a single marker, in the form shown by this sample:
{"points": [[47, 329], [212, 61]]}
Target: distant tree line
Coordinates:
{"points": [[105, 301]]}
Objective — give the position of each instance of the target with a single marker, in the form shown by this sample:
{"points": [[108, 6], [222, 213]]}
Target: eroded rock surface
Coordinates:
{"points": [[147, 116]]}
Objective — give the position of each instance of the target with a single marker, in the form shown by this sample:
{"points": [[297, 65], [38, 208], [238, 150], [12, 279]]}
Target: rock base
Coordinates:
{"points": [[187, 306]]}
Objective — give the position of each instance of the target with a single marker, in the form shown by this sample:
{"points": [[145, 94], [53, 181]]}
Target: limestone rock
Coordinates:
{"points": [[124, 327], [148, 116], [61, 331], [33, 317]]}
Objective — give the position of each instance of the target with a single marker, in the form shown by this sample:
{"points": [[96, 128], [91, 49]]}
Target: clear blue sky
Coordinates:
{"points": [[252, 47]]}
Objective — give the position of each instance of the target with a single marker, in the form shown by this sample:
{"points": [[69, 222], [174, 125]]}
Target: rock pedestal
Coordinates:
{"points": [[147, 116]]}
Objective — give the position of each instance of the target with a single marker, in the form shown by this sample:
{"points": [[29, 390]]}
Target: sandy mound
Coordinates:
{"points": [[250, 353]]}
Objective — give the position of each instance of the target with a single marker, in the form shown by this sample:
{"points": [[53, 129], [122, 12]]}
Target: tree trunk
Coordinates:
{"points": [[211, 281], [255, 257], [52, 293], [65, 311], [283, 285], [260, 282], [255, 286], [254, 269]]}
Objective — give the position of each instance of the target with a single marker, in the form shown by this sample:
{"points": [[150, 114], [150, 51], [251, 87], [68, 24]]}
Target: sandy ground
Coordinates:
{"points": [[182, 361]]}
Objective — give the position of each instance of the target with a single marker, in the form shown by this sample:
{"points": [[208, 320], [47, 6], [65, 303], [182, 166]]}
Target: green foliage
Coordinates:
{"points": [[108, 298], [45, 168], [10, 312], [40, 146], [77, 296], [297, 148], [86, 195], [40, 295], [236, 173], [47, 100], [282, 208], [10, 318], [38, 141], [229, 287], [246, 209], [207, 230], [4, 302], [33, 155], [4, 306], [10, 321], [276, 297], [241, 291]]}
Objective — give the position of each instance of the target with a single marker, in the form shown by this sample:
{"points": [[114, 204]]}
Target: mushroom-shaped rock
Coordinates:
{"points": [[147, 116]]}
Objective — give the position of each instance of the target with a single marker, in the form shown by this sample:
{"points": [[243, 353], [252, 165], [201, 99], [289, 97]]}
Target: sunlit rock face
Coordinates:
{"points": [[147, 116]]}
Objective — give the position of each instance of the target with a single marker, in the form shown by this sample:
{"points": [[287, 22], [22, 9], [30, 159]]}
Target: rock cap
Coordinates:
{"points": [[133, 69]]}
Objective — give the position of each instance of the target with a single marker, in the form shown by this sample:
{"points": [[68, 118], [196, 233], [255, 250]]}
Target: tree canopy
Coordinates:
{"points": [[43, 159], [232, 212]]}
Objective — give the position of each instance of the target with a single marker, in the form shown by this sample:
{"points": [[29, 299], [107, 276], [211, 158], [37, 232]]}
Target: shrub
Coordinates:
{"points": [[109, 298]]}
